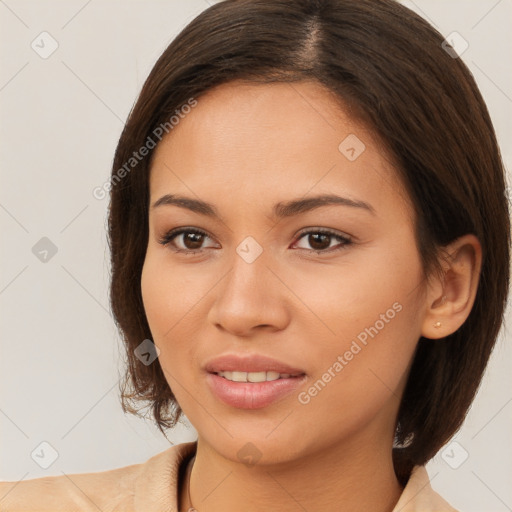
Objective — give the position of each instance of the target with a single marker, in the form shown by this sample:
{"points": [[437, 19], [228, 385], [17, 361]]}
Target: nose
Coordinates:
{"points": [[249, 298]]}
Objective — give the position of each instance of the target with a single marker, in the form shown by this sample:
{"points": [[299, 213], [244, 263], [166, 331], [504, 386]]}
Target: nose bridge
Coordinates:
{"points": [[247, 297], [247, 279]]}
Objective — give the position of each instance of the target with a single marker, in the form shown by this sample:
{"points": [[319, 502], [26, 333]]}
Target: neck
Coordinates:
{"points": [[336, 479]]}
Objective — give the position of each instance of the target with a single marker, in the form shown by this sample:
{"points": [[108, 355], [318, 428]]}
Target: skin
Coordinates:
{"points": [[244, 148]]}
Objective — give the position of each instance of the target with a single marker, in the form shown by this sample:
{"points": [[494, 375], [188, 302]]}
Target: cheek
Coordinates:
{"points": [[359, 374], [172, 301], [370, 326], [346, 299], [154, 300], [161, 296]]}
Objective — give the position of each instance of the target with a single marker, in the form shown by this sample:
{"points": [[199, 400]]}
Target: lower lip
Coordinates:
{"points": [[248, 395]]}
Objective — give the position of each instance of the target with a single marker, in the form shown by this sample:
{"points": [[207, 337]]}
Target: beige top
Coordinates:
{"points": [[152, 486]]}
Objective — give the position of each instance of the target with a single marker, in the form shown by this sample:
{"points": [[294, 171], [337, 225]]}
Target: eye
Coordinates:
{"points": [[321, 239], [190, 242]]}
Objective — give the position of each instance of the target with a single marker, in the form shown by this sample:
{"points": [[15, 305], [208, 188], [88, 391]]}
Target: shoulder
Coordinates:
{"points": [[418, 495], [147, 486]]}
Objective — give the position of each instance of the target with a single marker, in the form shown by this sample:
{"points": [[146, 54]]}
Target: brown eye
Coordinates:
{"points": [[185, 240], [321, 240], [318, 241], [192, 240]]}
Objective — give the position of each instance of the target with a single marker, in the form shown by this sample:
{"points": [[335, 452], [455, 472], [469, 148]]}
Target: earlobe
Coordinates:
{"points": [[450, 298]]}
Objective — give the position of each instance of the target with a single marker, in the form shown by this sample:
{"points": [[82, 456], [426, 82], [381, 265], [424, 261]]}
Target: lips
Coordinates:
{"points": [[250, 364], [251, 381]]}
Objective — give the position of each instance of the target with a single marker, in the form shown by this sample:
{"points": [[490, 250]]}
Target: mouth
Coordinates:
{"points": [[256, 377], [251, 381]]}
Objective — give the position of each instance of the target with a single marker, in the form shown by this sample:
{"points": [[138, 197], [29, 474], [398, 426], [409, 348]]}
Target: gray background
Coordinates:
{"points": [[60, 120]]}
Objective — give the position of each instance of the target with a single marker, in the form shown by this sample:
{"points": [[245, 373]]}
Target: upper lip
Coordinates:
{"points": [[249, 363]]}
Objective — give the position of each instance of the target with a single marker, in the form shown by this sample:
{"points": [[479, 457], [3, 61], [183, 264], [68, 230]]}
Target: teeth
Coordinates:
{"points": [[256, 376], [239, 376], [253, 376], [272, 375]]}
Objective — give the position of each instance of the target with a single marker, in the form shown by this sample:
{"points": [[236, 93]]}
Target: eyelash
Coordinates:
{"points": [[169, 237]]}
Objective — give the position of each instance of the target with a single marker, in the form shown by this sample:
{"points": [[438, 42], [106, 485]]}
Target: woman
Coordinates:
{"points": [[310, 259]]}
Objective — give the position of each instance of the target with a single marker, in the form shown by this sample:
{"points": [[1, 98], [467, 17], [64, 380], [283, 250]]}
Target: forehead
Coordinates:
{"points": [[257, 140]]}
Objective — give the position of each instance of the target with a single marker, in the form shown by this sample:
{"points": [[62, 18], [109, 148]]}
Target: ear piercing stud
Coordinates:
{"points": [[437, 325]]}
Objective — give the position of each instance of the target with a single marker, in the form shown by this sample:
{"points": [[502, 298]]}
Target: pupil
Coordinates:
{"points": [[195, 238], [313, 241]]}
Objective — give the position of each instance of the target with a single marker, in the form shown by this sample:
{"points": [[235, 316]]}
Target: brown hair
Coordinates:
{"points": [[388, 63]]}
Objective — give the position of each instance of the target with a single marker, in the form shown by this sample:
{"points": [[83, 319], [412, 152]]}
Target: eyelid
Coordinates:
{"points": [[328, 231]]}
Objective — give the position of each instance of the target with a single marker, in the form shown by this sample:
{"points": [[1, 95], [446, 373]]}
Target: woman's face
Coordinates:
{"points": [[339, 312]]}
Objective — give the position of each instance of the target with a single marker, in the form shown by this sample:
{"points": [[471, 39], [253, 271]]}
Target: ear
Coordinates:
{"points": [[449, 298]]}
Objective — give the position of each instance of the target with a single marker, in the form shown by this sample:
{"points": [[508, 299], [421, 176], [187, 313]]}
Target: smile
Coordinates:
{"points": [[236, 376]]}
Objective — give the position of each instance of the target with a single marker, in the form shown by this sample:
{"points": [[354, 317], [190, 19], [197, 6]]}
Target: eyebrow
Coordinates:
{"points": [[280, 210]]}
